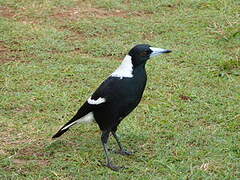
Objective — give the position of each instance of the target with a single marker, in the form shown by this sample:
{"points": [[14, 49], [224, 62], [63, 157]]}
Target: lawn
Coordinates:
{"points": [[53, 54]]}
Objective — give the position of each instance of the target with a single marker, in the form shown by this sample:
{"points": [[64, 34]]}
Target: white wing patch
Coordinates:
{"points": [[96, 102], [85, 119], [125, 69]]}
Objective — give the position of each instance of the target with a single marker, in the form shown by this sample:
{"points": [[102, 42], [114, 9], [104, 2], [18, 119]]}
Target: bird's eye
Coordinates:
{"points": [[144, 53]]}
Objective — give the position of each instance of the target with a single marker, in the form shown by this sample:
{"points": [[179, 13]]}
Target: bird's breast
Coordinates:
{"points": [[132, 91]]}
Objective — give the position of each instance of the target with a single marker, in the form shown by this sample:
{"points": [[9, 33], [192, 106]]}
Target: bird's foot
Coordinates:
{"points": [[113, 167], [124, 152]]}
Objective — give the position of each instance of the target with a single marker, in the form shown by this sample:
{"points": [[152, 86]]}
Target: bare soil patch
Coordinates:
{"points": [[25, 161], [185, 98], [5, 54], [4, 51], [7, 12], [86, 12]]}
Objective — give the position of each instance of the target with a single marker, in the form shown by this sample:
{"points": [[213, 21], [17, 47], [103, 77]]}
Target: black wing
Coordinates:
{"points": [[103, 91]]}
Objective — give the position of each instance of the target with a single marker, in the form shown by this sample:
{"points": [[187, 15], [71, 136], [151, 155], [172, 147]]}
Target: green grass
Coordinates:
{"points": [[187, 125]]}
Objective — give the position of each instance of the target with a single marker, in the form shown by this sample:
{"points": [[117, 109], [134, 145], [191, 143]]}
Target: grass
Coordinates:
{"points": [[187, 125]]}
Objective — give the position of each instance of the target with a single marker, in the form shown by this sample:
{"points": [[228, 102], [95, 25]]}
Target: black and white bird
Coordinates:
{"points": [[116, 97]]}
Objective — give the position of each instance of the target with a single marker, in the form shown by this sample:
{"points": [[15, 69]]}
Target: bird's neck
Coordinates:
{"points": [[139, 69]]}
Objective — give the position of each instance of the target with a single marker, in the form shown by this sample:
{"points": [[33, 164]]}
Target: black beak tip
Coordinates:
{"points": [[168, 51]]}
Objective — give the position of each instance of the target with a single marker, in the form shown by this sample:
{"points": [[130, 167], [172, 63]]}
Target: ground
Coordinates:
{"points": [[53, 54]]}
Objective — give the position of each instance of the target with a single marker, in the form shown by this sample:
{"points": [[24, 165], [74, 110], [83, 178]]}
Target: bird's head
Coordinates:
{"points": [[137, 56], [142, 52]]}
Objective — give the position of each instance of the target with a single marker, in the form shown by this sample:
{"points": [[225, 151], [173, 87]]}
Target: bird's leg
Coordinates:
{"points": [[104, 138], [121, 151]]}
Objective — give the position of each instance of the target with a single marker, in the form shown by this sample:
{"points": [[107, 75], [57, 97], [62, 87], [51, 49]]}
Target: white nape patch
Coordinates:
{"points": [[85, 119], [96, 102], [125, 69]]}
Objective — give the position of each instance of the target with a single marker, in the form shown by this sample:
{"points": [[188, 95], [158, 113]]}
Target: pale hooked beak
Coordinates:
{"points": [[158, 51]]}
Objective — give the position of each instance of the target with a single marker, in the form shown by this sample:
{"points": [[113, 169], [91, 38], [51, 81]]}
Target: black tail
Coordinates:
{"points": [[85, 109], [59, 133], [66, 127]]}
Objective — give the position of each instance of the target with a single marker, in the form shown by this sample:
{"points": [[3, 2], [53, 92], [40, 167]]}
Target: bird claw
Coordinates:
{"points": [[124, 152], [112, 166]]}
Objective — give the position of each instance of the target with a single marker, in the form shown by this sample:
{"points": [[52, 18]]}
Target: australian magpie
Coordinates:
{"points": [[116, 97]]}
